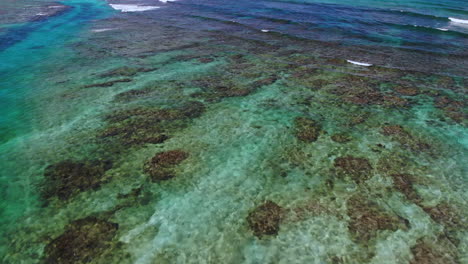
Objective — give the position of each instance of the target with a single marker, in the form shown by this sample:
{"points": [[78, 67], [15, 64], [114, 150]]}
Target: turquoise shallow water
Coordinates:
{"points": [[187, 134]]}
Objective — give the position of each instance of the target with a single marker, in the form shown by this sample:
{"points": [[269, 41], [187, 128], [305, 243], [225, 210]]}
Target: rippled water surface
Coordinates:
{"points": [[208, 131]]}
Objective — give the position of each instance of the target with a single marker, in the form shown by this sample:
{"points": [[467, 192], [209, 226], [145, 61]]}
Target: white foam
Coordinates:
{"points": [[265, 30], [443, 29], [165, 1], [41, 14], [101, 29], [133, 8], [359, 63], [457, 20]]}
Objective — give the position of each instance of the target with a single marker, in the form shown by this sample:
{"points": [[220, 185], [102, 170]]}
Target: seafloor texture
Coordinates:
{"points": [[234, 132]]}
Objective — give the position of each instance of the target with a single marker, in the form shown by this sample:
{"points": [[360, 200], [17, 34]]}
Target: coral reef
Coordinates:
{"points": [[161, 166], [109, 83], [68, 178], [454, 109], [143, 125], [125, 71], [405, 90], [341, 137], [367, 219], [404, 184], [406, 139], [306, 129], [265, 219], [83, 241], [359, 169], [425, 253]]}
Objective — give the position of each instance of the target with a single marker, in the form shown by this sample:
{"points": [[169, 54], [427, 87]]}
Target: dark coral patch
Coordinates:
{"points": [[404, 184], [265, 219], [406, 139], [161, 166], [341, 138], [454, 109], [132, 95], [444, 214], [142, 125], [306, 129], [359, 169], [68, 178], [367, 219], [83, 241], [405, 90], [424, 253], [109, 83], [125, 71]]}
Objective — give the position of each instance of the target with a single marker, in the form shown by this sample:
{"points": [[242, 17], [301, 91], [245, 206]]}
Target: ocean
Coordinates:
{"points": [[209, 131]]}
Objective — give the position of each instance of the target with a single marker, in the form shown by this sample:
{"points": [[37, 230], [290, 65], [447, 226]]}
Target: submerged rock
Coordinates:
{"points": [[306, 129], [68, 178], [359, 169], [161, 166], [265, 219], [83, 241], [367, 219]]}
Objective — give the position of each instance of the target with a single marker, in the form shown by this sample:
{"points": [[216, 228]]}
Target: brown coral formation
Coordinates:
{"points": [[367, 219], [407, 140], [83, 241], [139, 126], [444, 214], [425, 253], [265, 219], [405, 90], [68, 178], [306, 129], [341, 138], [404, 184], [109, 83], [359, 169], [454, 109], [161, 166]]}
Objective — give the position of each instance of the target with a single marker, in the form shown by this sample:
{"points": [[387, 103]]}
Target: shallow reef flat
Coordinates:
{"points": [[153, 142]]}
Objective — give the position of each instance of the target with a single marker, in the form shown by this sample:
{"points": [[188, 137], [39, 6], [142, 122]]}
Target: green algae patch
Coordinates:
{"points": [[306, 129], [367, 219], [68, 178], [83, 241], [161, 166], [359, 169], [265, 219]]}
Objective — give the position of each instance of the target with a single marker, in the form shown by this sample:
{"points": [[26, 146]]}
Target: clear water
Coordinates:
{"points": [[64, 95]]}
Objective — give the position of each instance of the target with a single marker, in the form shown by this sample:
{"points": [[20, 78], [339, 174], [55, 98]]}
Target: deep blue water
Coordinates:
{"points": [[420, 25]]}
